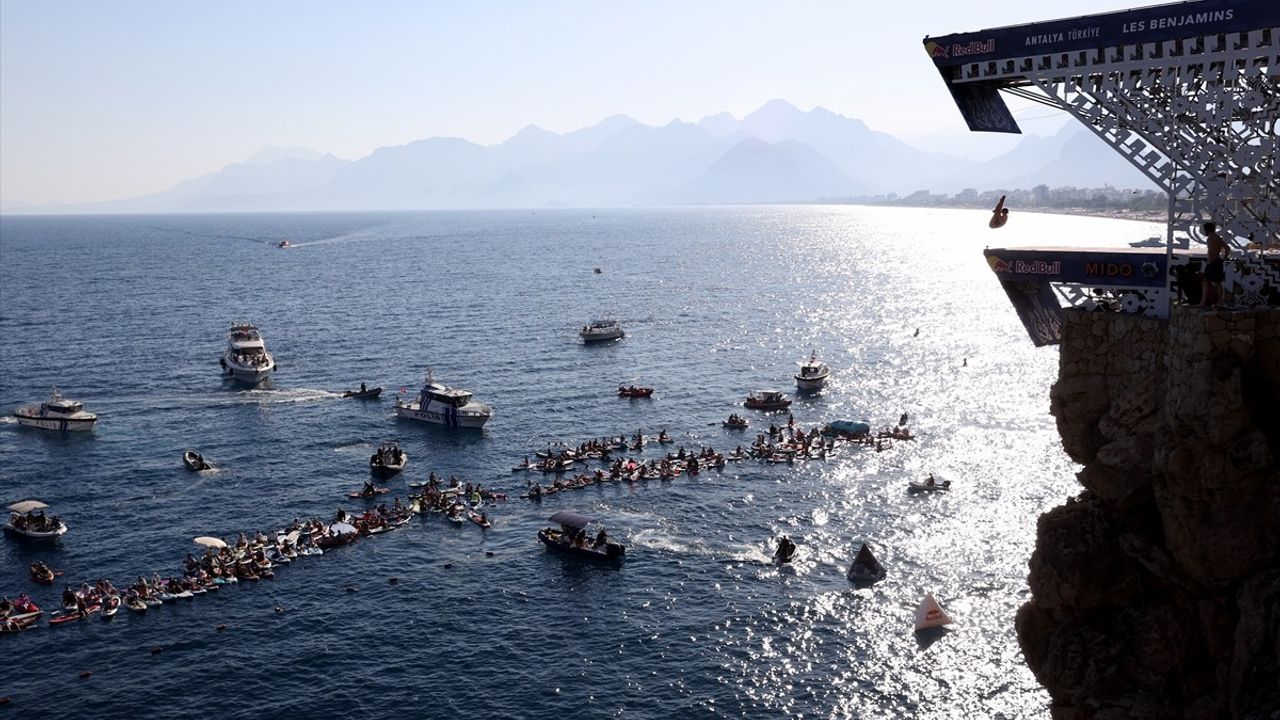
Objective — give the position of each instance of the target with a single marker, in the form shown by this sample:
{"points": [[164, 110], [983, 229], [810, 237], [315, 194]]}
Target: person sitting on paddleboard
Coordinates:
{"points": [[999, 216]]}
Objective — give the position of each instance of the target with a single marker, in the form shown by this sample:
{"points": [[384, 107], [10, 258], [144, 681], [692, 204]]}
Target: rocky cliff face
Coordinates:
{"points": [[1156, 591]]}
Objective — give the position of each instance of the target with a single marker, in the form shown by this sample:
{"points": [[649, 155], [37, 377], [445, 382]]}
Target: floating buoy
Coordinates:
{"points": [[86, 675], [157, 649], [220, 628]]}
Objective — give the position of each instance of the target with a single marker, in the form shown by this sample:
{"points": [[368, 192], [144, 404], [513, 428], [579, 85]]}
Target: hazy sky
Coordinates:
{"points": [[105, 100]]}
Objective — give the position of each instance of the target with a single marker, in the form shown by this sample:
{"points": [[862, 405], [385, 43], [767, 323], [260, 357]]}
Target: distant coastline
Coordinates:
{"points": [[1104, 202]]}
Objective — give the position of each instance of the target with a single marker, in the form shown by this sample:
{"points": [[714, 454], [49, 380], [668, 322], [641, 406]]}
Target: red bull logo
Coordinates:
{"points": [[935, 50], [1025, 267], [975, 47]]}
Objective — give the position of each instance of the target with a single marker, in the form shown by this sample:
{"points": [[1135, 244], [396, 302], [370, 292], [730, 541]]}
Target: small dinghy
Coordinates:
{"points": [[930, 614], [363, 393], [634, 392], [388, 460], [866, 569], [929, 484], [195, 461]]}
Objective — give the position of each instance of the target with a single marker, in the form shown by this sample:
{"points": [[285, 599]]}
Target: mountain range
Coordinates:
{"points": [[778, 153]]}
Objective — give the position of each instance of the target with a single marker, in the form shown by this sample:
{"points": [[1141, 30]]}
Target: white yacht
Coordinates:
{"points": [[246, 358], [601, 330], [56, 413], [436, 403], [813, 374]]}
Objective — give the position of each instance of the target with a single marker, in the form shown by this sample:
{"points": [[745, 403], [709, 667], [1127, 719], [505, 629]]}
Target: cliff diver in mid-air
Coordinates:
{"points": [[999, 216]]}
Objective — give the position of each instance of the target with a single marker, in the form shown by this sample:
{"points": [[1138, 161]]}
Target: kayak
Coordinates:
{"points": [[479, 520], [363, 496], [63, 617], [18, 623]]}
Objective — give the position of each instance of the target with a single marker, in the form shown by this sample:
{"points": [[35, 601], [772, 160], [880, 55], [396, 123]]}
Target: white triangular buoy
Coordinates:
{"points": [[930, 614]]}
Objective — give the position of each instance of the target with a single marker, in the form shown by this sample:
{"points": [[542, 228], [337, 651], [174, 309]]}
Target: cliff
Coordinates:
{"points": [[1156, 591]]}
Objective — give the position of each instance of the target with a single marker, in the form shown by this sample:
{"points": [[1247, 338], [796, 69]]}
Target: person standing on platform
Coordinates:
{"points": [[1214, 269]]}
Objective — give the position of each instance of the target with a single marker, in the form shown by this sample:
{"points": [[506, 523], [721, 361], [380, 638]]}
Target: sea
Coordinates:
{"points": [[129, 314]]}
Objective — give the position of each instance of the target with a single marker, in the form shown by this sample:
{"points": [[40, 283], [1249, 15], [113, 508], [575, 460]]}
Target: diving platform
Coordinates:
{"points": [[1188, 93]]}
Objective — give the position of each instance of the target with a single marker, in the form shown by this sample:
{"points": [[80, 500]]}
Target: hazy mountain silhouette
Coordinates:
{"points": [[777, 153], [756, 171], [1073, 156]]}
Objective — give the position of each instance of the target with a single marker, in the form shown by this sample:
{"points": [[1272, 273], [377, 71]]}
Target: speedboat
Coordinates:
{"points": [[388, 460], [27, 519], [767, 400], [246, 358], [571, 539], [56, 413], [284, 245], [813, 374], [601, 330], [436, 403]]}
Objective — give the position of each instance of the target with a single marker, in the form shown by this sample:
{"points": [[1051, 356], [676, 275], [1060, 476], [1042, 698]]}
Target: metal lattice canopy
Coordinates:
{"points": [[1189, 93]]}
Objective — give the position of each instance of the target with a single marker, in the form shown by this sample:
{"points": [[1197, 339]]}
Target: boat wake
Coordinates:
{"points": [[226, 399], [292, 395], [365, 234], [8, 420]]}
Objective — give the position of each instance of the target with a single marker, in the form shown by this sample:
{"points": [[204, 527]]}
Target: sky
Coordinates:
{"points": [[101, 101]]}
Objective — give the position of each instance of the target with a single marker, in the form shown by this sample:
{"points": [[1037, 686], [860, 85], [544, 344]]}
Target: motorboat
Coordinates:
{"points": [[571, 539], [929, 614], [929, 484], [601, 330], [736, 422], [284, 245], [27, 520], [363, 393], [388, 460], [195, 461], [246, 358], [56, 413], [866, 569], [813, 374], [451, 407], [767, 400], [632, 391]]}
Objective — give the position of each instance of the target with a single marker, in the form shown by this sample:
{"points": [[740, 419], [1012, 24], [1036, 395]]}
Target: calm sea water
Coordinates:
{"points": [[129, 315]]}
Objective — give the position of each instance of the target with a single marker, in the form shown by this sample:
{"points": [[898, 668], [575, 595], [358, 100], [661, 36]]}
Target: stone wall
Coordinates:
{"points": [[1156, 591]]}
